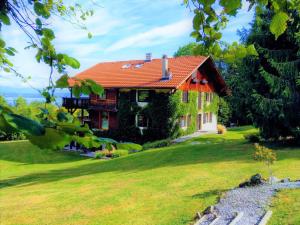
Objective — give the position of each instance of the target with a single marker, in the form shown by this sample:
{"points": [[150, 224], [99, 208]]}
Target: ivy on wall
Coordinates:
{"points": [[212, 106], [163, 111]]}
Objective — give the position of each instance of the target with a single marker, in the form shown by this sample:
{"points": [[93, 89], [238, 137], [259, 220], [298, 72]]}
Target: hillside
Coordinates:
{"points": [[162, 186]]}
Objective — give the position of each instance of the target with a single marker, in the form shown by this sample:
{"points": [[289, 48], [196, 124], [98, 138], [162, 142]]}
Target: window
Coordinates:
{"points": [[210, 117], [199, 100], [143, 96], [189, 120], [142, 121], [185, 96], [183, 121], [207, 97], [206, 118], [104, 120]]}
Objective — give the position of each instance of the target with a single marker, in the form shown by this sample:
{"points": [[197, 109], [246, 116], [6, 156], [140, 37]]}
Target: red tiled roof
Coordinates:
{"points": [[112, 75]]}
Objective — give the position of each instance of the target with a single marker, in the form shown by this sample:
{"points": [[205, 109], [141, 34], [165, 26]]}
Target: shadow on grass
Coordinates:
{"points": [[206, 194], [173, 156], [25, 152]]}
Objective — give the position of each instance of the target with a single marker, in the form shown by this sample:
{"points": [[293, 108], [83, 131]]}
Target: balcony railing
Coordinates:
{"points": [[78, 103], [106, 106], [86, 103]]}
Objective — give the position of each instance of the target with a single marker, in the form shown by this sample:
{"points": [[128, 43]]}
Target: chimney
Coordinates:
{"points": [[165, 67], [148, 57]]}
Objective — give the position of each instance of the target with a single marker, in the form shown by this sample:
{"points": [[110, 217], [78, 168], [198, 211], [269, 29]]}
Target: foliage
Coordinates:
{"points": [[267, 85], [221, 129], [100, 154], [11, 136], [188, 49], [266, 155], [157, 144], [41, 128], [224, 111], [119, 153], [253, 137], [209, 20]]}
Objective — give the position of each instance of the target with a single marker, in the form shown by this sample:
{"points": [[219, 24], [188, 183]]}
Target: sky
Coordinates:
{"points": [[122, 30]]}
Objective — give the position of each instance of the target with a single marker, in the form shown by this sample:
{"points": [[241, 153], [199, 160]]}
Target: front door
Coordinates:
{"points": [[199, 121]]}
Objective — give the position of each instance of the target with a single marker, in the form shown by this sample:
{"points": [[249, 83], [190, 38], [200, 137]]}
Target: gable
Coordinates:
{"points": [[205, 78]]}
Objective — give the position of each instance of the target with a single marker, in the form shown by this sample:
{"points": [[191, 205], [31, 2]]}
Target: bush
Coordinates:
{"points": [[11, 136], [221, 129], [131, 147], [100, 154], [119, 153], [253, 137], [157, 144]]}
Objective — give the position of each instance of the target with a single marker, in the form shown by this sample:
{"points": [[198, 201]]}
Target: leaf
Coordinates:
{"points": [[198, 20], [231, 6], [76, 90], [63, 117], [4, 18], [62, 82], [38, 22], [279, 24], [48, 33], [90, 35], [52, 139], [41, 10], [96, 88], [24, 125], [9, 52], [71, 61], [2, 43]]}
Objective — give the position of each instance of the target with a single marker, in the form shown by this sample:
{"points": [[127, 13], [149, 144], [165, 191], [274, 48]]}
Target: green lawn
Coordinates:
{"points": [[162, 186]]}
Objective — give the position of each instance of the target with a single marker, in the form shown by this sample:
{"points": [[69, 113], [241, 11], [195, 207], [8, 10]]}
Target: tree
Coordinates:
{"points": [[266, 155], [270, 82], [188, 49], [209, 20], [32, 17]]}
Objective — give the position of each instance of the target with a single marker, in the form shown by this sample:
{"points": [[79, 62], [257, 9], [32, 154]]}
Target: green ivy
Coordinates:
{"points": [[212, 106]]}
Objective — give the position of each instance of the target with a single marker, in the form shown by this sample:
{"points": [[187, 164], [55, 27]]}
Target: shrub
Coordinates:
{"points": [[119, 153], [157, 144], [253, 137], [11, 136], [99, 154], [221, 129], [266, 155], [132, 147]]}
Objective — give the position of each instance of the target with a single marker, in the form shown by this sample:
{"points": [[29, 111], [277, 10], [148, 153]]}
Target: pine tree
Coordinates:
{"points": [[272, 78]]}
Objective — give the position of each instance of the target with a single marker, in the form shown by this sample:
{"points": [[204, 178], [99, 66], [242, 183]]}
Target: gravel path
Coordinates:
{"points": [[252, 201]]}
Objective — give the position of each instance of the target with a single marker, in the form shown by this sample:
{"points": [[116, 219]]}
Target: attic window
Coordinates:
{"points": [[126, 66], [138, 65]]}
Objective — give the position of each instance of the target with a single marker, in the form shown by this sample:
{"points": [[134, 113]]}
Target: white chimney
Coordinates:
{"points": [[165, 67], [148, 57]]}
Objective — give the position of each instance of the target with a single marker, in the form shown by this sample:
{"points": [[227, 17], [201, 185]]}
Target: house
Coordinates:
{"points": [[152, 97]]}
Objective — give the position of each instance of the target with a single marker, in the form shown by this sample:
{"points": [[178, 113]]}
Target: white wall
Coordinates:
{"points": [[210, 126]]}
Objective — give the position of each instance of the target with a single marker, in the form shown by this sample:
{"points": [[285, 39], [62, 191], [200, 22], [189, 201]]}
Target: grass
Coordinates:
{"points": [[163, 186], [286, 208]]}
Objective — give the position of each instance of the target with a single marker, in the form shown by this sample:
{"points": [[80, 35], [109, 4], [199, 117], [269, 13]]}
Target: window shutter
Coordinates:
{"points": [[132, 95]]}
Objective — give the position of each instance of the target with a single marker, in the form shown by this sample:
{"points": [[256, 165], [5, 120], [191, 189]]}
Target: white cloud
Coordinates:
{"points": [[154, 36]]}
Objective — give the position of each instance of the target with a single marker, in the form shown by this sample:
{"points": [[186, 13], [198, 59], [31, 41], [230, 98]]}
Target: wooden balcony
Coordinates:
{"points": [[104, 106], [87, 103], [76, 103]]}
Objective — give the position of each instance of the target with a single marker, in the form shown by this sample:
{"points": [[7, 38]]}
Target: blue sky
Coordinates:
{"points": [[122, 29]]}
